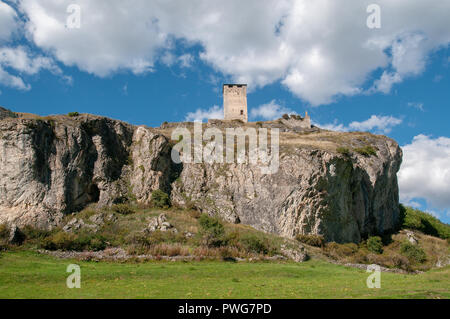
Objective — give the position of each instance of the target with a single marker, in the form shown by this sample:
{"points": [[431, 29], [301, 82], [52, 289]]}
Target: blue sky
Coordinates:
{"points": [[310, 57]]}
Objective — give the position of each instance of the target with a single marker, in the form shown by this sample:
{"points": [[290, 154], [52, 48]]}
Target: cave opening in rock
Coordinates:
{"points": [[93, 193]]}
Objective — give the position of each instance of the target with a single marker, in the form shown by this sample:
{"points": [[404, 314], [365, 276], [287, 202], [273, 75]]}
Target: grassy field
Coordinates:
{"points": [[25, 274]]}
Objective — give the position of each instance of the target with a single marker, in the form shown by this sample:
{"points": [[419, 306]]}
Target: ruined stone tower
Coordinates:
{"points": [[235, 102]]}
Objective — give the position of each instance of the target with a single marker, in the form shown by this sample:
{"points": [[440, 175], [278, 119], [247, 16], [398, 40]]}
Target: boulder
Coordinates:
{"points": [[297, 254], [411, 237]]}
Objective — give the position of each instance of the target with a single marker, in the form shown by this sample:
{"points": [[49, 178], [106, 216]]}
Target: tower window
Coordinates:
{"points": [[242, 112]]}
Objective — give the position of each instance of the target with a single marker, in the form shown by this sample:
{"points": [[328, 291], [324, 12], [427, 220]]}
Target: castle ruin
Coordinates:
{"points": [[235, 102]]}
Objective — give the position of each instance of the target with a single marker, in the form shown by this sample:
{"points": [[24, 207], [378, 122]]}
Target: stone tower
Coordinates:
{"points": [[235, 102]]}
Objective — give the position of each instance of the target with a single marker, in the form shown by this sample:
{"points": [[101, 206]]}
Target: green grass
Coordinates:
{"points": [[366, 151], [25, 274]]}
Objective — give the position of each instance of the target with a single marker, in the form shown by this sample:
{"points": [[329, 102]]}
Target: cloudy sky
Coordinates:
{"points": [[147, 62]]}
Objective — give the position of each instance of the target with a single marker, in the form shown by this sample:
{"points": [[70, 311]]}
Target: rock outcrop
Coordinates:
{"points": [[315, 191], [57, 165]]}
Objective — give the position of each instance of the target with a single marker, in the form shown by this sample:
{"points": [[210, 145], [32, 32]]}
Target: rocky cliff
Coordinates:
{"points": [[327, 182]]}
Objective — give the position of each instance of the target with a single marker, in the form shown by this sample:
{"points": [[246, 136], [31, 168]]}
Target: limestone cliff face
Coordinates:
{"points": [[57, 165], [314, 192], [50, 167]]}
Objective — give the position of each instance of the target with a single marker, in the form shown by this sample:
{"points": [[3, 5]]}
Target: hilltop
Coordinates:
{"points": [[342, 186]]}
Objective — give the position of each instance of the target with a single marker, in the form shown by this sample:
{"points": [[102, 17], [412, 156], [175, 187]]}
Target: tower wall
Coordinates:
{"points": [[235, 102]]}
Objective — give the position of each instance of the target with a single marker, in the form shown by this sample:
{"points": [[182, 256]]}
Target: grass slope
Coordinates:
{"points": [[29, 275]]}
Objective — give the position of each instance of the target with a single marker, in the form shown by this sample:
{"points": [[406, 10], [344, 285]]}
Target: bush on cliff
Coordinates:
{"points": [[411, 218], [366, 151], [160, 199]]}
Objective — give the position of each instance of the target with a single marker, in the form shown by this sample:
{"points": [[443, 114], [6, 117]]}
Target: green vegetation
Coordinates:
{"points": [[366, 151], [344, 151], [256, 244], [160, 199], [4, 232], [73, 114], [74, 242], [212, 231], [415, 219], [375, 245], [396, 253], [414, 253], [30, 275], [312, 240], [123, 209]]}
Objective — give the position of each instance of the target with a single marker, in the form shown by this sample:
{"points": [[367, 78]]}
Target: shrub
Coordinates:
{"points": [[366, 151], [414, 253], [285, 116], [211, 230], [415, 219], [254, 244], [73, 114], [226, 254], [400, 261], [77, 242], [344, 151], [160, 199], [375, 244], [336, 250], [195, 214], [123, 209], [32, 233], [312, 240], [4, 232]]}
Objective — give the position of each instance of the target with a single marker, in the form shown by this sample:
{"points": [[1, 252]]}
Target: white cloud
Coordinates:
{"points": [[113, 35], [186, 60], [416, 105], [23, 61], [270, 111], [168, 59], [319, 50], [335, 126], [385, 83], [8, 21], [377, 124], [200, 115], [13, 81], [425, 172], [20, 60]]}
